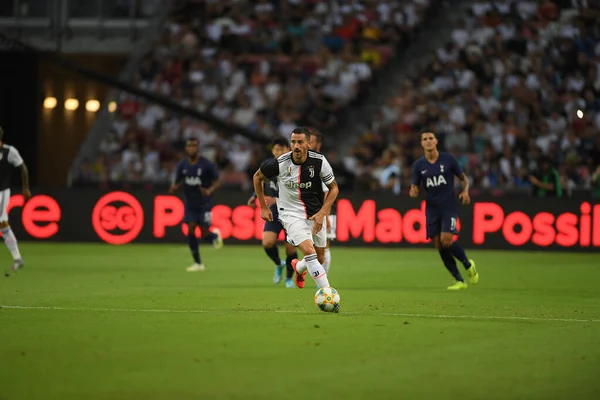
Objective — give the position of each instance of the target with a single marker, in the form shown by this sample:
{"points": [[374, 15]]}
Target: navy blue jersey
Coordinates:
{"points": [[270, 187], [202, 174], [438, 181]]}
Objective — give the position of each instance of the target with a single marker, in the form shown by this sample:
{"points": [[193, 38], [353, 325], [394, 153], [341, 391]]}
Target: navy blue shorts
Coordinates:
{"points": [[200, 215], [441, 221], [273, 226]]}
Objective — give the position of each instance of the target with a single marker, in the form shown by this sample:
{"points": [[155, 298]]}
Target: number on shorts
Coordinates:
{"points": [[453, 224], [207, 218]]}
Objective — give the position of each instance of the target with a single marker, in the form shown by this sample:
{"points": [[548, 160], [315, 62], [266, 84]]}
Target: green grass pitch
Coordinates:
{"points": [[101, 322]]}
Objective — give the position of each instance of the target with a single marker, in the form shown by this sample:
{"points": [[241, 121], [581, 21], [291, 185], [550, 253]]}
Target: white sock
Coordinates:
{"points": [[327, 262], [11, 242], [301, 266], [316, 270]]}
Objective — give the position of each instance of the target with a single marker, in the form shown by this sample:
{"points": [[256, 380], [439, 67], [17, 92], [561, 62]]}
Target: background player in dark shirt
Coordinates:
{"points": [[545, 181], [272, 229], [199, 178], [436, 172]]}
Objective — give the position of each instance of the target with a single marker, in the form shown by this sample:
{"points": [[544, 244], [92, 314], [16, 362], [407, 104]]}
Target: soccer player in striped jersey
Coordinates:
{"points": [[10, 159], [273, 228], [316, 142], [301, 204]]}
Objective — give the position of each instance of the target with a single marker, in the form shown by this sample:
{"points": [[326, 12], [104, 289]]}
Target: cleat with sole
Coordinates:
{"points": [[218, 242], [299, 277], [473, 274], [458, 285], [289, 284], [196, 268], [278, 273]]}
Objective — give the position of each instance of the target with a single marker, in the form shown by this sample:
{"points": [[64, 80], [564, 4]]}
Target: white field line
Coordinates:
{"points": [[409, 315]]}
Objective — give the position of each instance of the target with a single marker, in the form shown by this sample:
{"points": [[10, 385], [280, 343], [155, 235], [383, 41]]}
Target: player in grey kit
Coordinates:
{"points": [[436, 172], [10, 159]]}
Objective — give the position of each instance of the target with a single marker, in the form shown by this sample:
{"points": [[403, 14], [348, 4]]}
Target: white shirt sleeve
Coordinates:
{"points": [[14, 158], [325, 188], [326, 172]]}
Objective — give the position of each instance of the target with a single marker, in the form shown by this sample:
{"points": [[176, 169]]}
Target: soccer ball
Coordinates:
{"points": [[328, 299]]}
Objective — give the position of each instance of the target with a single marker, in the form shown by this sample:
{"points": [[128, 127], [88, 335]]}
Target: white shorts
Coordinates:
{"points": [[331, 230], [4, 199], [299, 230]]}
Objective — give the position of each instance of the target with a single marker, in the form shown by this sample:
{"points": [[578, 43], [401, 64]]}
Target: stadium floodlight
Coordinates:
{"points": [[50, 103], [92, 105], [71, 104], [112, 106]]}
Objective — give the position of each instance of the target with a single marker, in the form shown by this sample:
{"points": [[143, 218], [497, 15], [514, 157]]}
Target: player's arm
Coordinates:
{"points": [[252, 200], [267, 170], [177, 180], [216, 181], [464, 181], [416, 181], [331, 195], [15, 159], [596, 175]]}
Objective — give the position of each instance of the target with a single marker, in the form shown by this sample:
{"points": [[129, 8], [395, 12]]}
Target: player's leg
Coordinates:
{"points": [[269, 242], [7, 234], [208, 236], [331, 236], [449, 263], [449, 225], [291, 255], [435, 232], [327, 256], [193, 242], [314, 255]]}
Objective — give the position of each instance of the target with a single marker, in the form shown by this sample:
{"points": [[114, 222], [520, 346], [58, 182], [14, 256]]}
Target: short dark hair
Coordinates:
{"points": [[280, 141], [192, 139], [317, 134], [302, 131], [433, 133]]}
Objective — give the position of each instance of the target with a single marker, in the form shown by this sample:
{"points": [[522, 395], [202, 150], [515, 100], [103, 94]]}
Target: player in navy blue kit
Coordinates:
{"points": [[436, 172], [272, 229], [199, 178]]}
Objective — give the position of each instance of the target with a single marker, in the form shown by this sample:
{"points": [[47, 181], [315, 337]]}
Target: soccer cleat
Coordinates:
{"points": [[473, 274], [458, 285], [299, 277], [289, 284], [278, 273], [218, 242], [196, 268], [16, 265]]}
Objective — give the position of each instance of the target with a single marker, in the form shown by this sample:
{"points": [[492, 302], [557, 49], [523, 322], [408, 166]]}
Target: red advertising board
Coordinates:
{"points": [[119, 217]]}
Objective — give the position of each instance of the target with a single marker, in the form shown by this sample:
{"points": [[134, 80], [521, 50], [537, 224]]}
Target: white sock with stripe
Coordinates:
{"points": [[327, 262], [316, 270], [301, 266], [11, 242]]}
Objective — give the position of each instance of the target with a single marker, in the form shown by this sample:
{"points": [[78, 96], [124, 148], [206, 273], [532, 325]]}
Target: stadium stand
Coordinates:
{"points": [[267, 66], [517, 82]]}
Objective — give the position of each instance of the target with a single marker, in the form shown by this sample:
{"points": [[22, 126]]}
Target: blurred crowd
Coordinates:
{"points": [[267, 65], [514, 95]]}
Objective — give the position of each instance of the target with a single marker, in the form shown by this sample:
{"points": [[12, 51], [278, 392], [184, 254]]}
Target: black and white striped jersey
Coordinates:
{"points": [[300, 185], [9, 160]]}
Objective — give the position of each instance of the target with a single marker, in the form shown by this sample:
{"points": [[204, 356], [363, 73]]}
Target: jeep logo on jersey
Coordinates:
{"points": [[193, 181], [436, 181], [296, 185]]}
